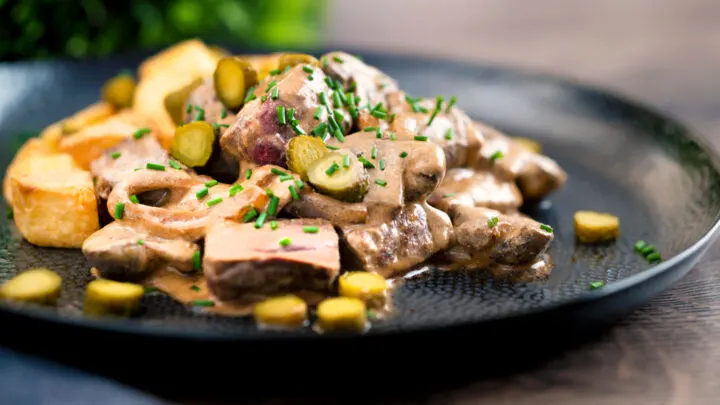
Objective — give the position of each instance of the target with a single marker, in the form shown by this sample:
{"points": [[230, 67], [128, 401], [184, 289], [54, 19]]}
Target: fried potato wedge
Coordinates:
{"points": [[24, 162], [92, 114], [52, 134], [263, 64], [55, 206], [192, 57], [150, 102], [89, 143]]}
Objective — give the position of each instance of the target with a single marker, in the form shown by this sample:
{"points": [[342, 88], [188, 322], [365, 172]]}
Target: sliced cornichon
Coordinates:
{"points": [[175, 101], [193, 143], [302, 152], [346, 183], [292, 59], [232, 77]]}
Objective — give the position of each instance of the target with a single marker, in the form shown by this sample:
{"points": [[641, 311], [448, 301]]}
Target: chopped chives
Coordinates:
{"points": [[200, 116], [422, 109], [287, 69], [596, 284], [299, 183], [653, 257], [307, 69], [332, 147], [381, 183], [338, 115], [337, 101], [275, 93], [449, 195], [393, 136], [403, 155], [310, 77], [311, 229], [263, 98], [640, 245], [286, 177], [421, 138], [324, 62], [281, 114], [352, 87], [273, 205], [155, 166], [270, 85], [432, 117], [203, 303], [370, 129], [248, 174], [284, 242], [350, 100], [188, 110], [274, 72], [449, 134], [497, 155], [379, 107], [293, 192], [141, 132], [323, 99], [250, 215], [378, 134], [415, 108], [211, 183], [277, 171], [290, 115], [379, 114], [319, 130], [339, 135], [318, 113], [373, 152], [250, 94], [236, 188], [149, 290], [354, 113], [451, 103], [411, 100], [343, 97], [346, 161], [546, 228], [223, 112], [338, 59], [115, 155], [492, 222], [214, 201], [260, 220], [195, 288], [273, 225], [134, 199], [297, 129], [175, 165], [202, 193], [140, 242], [196, 260], [119, 210], [647, 250], [332, 169], [382, 164], [438, 102], [368, 164]]}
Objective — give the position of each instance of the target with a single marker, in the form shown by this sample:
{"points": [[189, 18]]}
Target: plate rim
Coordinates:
{"points": [[689, 255]]}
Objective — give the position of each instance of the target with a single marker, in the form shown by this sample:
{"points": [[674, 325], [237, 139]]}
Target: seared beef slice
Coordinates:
{"points": [[241, 260]]}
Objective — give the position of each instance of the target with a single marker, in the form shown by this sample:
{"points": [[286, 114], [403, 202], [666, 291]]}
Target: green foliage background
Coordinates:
{"points": [[32, 29]]}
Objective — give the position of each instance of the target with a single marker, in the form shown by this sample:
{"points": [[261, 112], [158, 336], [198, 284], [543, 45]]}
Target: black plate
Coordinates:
{"points": [[622, 158]]}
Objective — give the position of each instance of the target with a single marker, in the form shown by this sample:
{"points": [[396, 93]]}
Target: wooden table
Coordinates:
{"points": [[663, 52]]}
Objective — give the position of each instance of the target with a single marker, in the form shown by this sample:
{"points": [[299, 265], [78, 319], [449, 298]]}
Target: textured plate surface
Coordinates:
{"points": [[620, 158]]}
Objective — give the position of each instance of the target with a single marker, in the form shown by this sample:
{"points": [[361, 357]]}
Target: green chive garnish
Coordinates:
{"points": [[640, 245], [286, 177], [546, 228], [200, 116], [281, 114], [337, 101], [346, 161], [277, 172], [250, 95], [273, 205], [323, 99], [269, 192], [236, 188], [211, 183], [223, 112], [379, 114], [250, 215], [332, 147], [284, 242], [203, 303], [381, 183], [270, 85], [310, 77], [140, 242], [297, 129], [451, 103], [392, 136], [337, 59], [449, 134], [324, 62], [338, 115], [195, 288], [647, 250], [311, 229], [432, 117], [370, 129], [654, 257], [202, 193], [492, 222], [188, 110], [497, 155], [141, 132], [373, 152], [392, 117], [307, 69], [449, 195], [155, 166], [378, 135], [596, 284], [354, 113], [319, 130], [134, 199], [293, 192], [382, 164], [403, 155], [368, 164], [273, 225], [119, 210], [332, 169], [274, 72], [214, 201], [318, 113], [275, 93], [299, 184], [260, 220], [263, 98], [175, 165], [339, 135], [290, 115], [421, 138], [115, 155], [248, 174]]}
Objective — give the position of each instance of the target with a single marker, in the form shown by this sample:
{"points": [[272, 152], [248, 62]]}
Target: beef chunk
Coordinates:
{"points": [[241, 260], [470, 188], [417, 232], [204, 96], [126, 251], [316, 205]]}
